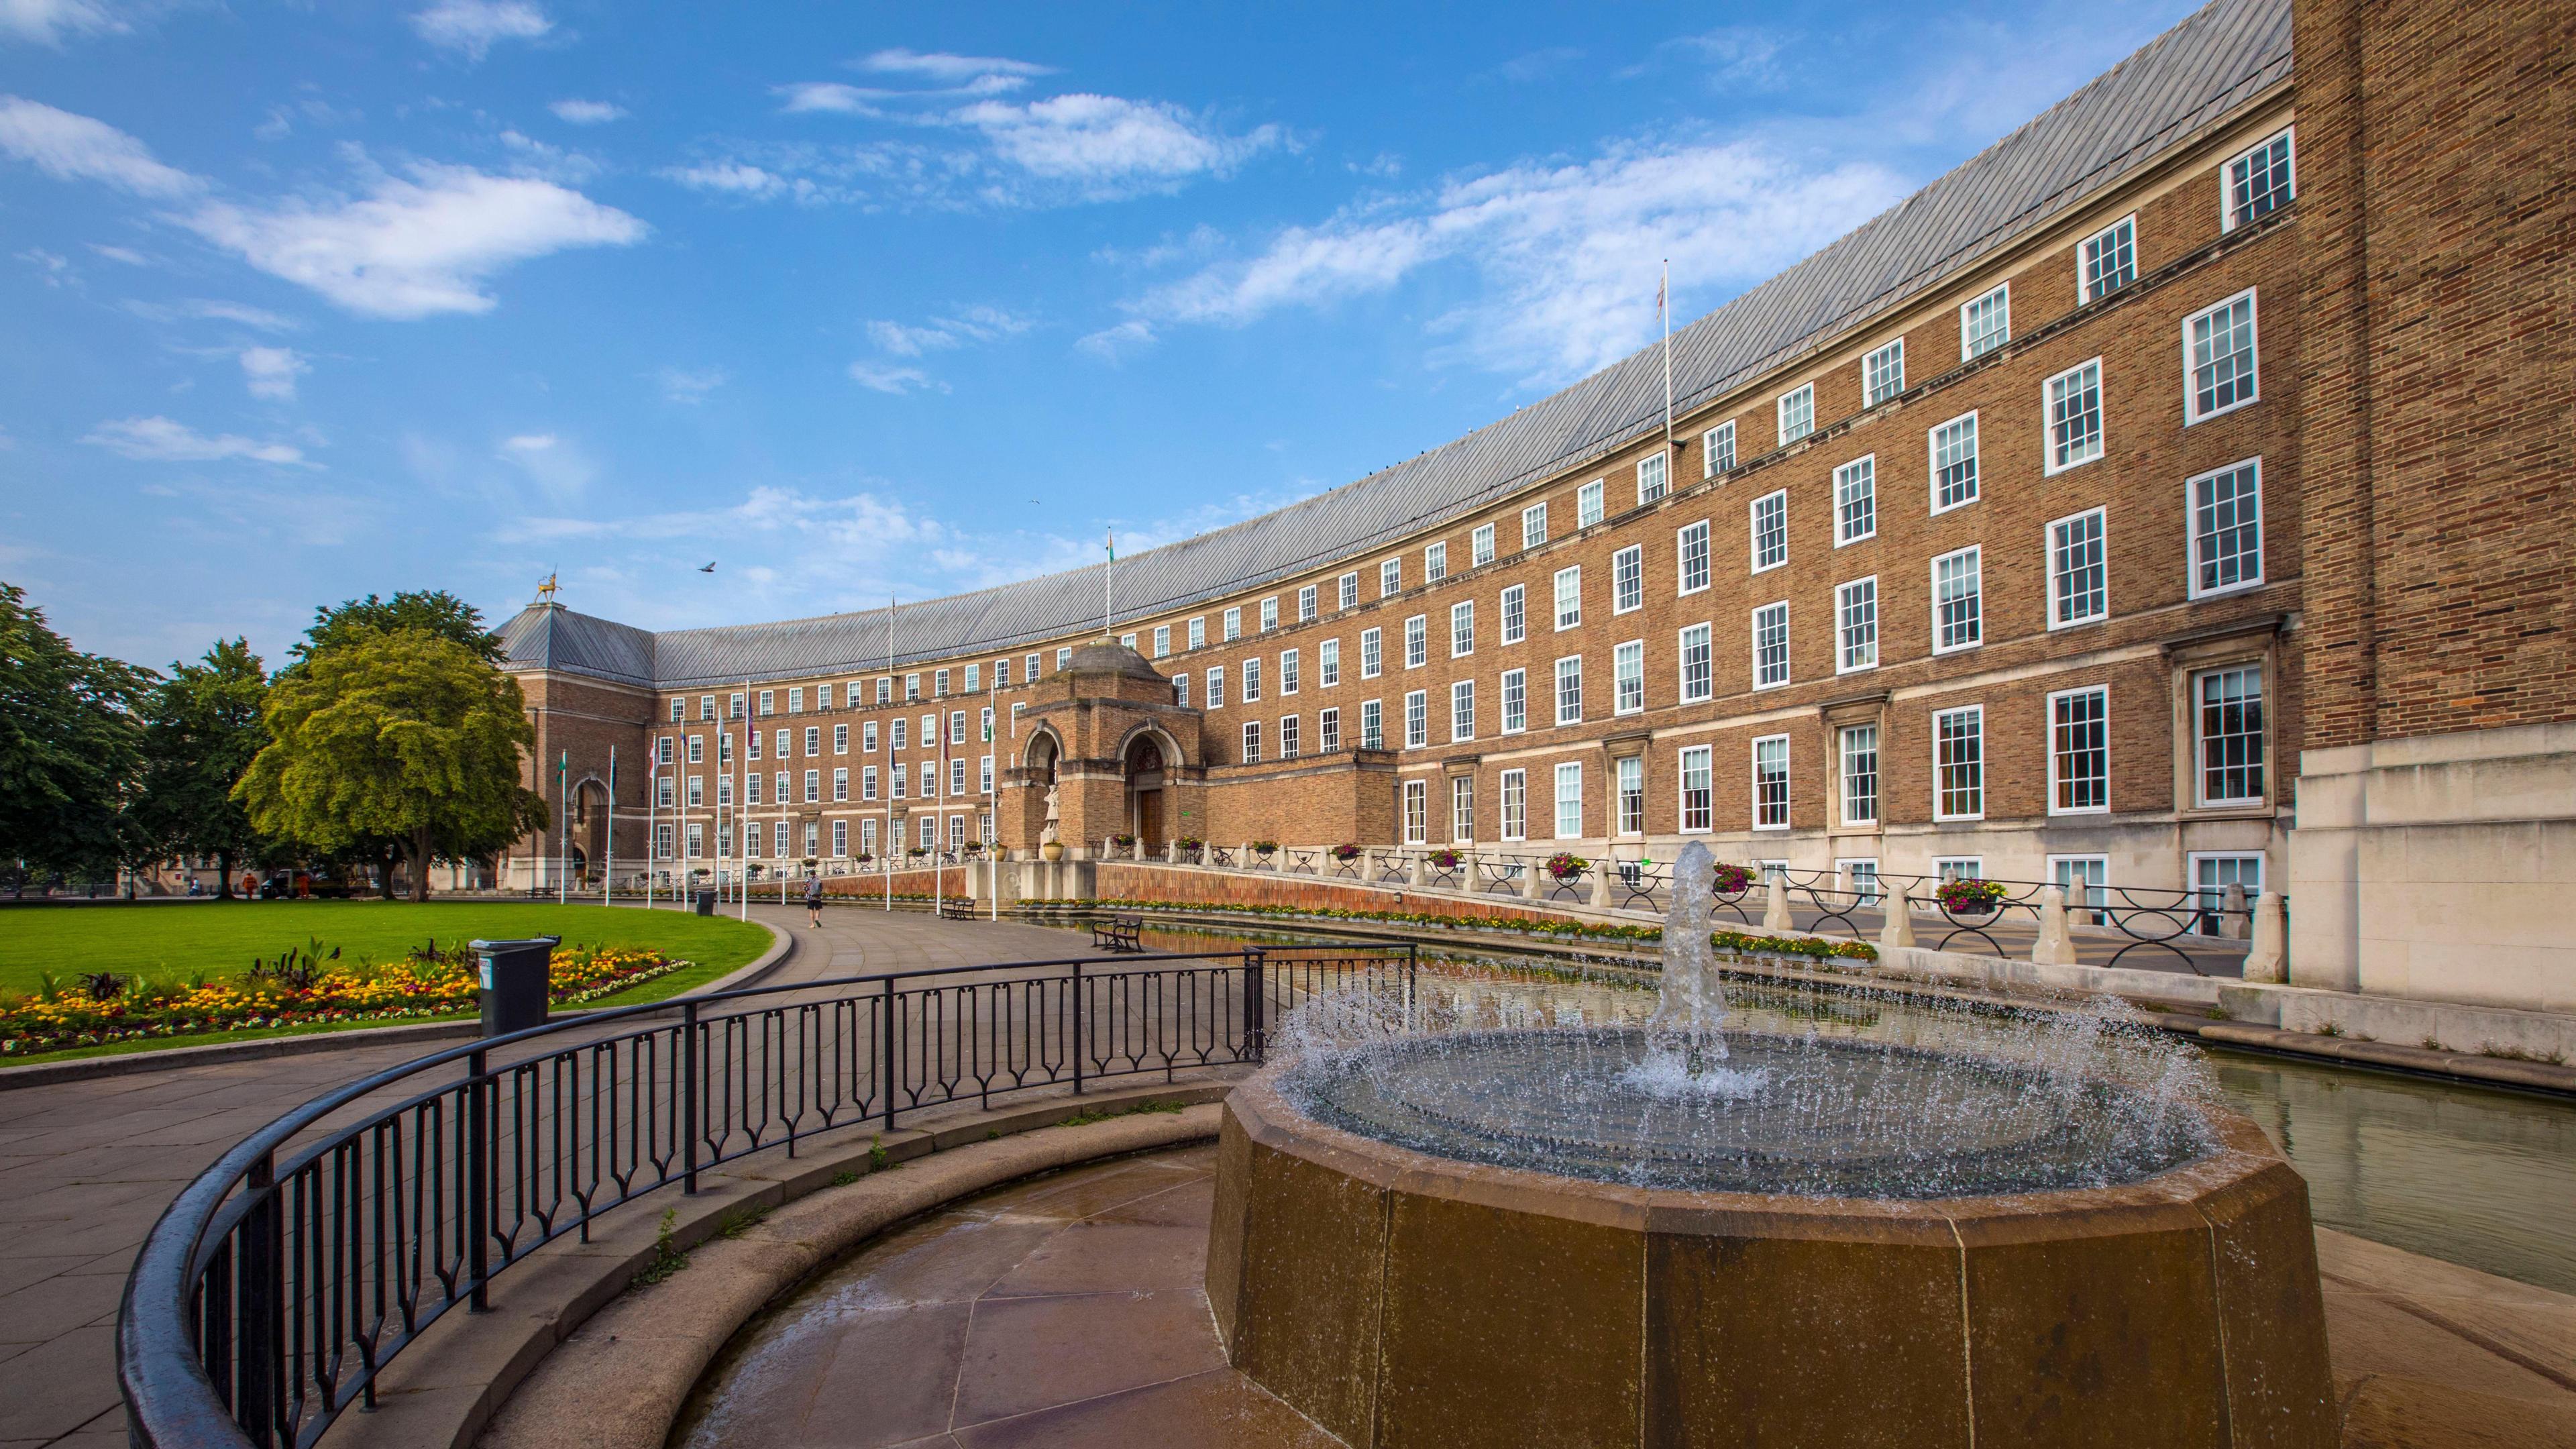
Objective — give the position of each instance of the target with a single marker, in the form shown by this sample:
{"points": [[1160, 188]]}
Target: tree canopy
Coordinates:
{"points": [[434, 611], [405, 734], [68, 746], [202, 727]]}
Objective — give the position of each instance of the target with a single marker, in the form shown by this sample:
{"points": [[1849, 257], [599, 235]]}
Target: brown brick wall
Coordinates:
{"points": [[1152, 883], [2436, 249]]}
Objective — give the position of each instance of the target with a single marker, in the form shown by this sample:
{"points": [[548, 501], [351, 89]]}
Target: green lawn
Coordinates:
{"points": [[220, 938]]}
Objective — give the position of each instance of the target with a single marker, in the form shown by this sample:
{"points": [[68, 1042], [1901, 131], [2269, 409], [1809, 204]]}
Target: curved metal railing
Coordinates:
{"points": [[278, 1285]]}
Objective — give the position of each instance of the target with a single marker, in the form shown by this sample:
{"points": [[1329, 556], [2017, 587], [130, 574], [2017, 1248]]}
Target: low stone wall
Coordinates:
{"points": [[1124, 880], [949, 880], [2535, 1036]]}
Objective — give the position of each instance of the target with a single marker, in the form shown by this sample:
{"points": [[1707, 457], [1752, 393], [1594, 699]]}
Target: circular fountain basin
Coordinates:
{"points": [[1456, 1246]]}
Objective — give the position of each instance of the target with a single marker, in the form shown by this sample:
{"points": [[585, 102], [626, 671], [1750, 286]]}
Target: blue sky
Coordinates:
{"points": [[305, 302]]}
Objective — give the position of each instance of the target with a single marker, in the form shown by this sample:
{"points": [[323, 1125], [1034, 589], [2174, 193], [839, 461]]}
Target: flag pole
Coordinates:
{"points": [[1664, 304], [742, 820], [652, 820], [563, 828], [608, 865], [1108, 571]]}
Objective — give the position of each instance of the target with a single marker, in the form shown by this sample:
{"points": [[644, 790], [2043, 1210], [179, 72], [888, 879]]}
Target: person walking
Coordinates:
{"points": [[814, 902]]}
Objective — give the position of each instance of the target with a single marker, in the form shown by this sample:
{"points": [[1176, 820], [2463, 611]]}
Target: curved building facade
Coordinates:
{"points": [[1987, 540]]}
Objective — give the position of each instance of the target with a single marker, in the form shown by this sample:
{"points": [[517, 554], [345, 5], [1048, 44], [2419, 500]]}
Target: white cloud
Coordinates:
{"points": [[127, 255], [827, 96], [1105, 145], [1733, 57], [1537, 64], [974, 324], [731, 178], [160, 440], [77, 148], [418, 246], [561, 471], [1568, 253], [48, 22], [1113, 344], [471, 27], [681, 385], [212, 311], [270, 372], [952, 69], [894, 380], [54, 267], [587, 113]]}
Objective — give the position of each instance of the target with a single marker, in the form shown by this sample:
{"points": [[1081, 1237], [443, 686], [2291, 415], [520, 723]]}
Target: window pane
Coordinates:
{"points": [[1770, 645], [2227, 527], [2080, 749], [1569, 691], [1628, 579], [2258, 182], [1856, 500], [1569, 597], [2075, 416], [1959, 763], [1860, 774], [1632, 795], [1515, 699], [2231, 735], [1954, 463], [2222, 357], [2110, 260], [1771, 782], [1569, 801], [1856, 625], [1515, 614], [1985, 324], [1692, 547], [1957, 607], [1717, 450], [2078, 580], [1628, 676], [1699, 789], [1883, 373], [1797, 414], [1698, 664], [1587, 499], [1770, 530]]}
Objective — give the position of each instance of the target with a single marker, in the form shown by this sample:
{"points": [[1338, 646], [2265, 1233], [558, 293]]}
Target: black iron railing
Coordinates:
{"points": [[279, 1284]]}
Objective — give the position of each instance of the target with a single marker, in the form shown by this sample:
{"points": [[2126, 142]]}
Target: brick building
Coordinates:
{"points": [[2194, 457]]}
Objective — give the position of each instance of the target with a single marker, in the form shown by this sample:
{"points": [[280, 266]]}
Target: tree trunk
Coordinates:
{"points": [[223, 875], [384, 863], [416, 850]]}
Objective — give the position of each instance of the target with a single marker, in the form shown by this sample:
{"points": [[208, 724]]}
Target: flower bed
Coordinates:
{"points": [[311, 990], [1738, 942]]}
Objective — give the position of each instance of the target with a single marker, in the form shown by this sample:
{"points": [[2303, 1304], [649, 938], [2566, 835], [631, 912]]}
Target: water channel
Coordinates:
{"points": [[2478, 1176]]}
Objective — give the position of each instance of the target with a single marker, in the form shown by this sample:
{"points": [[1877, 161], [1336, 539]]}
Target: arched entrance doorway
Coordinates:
{"points": [[1143, 768], [589, 832]]}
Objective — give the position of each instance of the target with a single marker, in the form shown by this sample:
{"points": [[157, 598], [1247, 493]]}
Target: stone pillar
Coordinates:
{"points": [[1468, 880], [2269, 960], [1535, 880], [1140, 850], [1775, 904], [1898, 933], [1601, 872], [2055, 947], [1421, 869], [2234, 923]]}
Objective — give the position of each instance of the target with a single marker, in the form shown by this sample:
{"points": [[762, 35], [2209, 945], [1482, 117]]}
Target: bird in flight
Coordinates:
{"points": [[708, 568]]}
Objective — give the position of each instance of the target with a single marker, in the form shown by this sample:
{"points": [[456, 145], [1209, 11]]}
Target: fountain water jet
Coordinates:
{"points": [[1469, 1221]]}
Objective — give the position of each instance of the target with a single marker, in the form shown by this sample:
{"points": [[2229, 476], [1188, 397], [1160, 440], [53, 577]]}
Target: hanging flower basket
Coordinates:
{"points": [[1566, 866], [1969, 896], [1734, 880], [1445, 859], [1346, 852], [1189, 842], [1265, 847], [1123, 842]]}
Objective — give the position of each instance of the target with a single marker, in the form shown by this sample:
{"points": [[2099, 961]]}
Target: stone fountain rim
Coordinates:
{"points": [[2241, 1158]]}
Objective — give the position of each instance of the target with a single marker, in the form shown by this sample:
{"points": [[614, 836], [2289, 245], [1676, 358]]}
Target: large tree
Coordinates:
{"points": [[401, 734], [201, 729], [67, 747], [434, 611]]}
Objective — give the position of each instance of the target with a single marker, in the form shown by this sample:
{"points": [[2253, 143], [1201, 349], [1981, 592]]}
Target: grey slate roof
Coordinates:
{"points": [[2179, 83]]}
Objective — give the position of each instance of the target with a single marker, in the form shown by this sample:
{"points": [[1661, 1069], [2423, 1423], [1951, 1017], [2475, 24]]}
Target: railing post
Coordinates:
{"points": [[262, 1325], [478, 1180], [885, 1048], [1256, 1006], [688, 1097], [1078, 1042]]}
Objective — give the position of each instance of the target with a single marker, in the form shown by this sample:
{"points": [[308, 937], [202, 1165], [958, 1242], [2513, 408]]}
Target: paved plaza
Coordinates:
{"points": [[86, 1167]]}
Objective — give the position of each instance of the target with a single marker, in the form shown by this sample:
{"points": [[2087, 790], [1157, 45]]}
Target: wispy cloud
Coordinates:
{"points": [[690, 386], [886, 378], [948, 69], [51, 22], [1567, 252], [560, 469], [205, 309], [79, 148], [415, 245], [472, 27], [161, 440], [587, 113], [270, 372], [1736, 57], [1537, 65], [412, 245], [974, 324], [1114, 345], [733, 178], [1107, 146], [128, 255]]}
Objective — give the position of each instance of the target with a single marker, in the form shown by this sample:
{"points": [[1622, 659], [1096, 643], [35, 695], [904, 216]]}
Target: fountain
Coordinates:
{"points": [[1441, 1223]]}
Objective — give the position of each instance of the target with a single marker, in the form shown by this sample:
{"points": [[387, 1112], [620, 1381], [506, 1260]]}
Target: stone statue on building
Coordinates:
{"points": [[1050, 844]]}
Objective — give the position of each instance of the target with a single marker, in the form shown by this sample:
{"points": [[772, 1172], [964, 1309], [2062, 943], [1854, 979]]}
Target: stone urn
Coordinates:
{"points": [[1049, 848]]}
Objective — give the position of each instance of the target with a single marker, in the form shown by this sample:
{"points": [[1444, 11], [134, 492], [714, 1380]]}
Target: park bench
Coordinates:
{"points": [[1119, 933], [957, 908]]}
